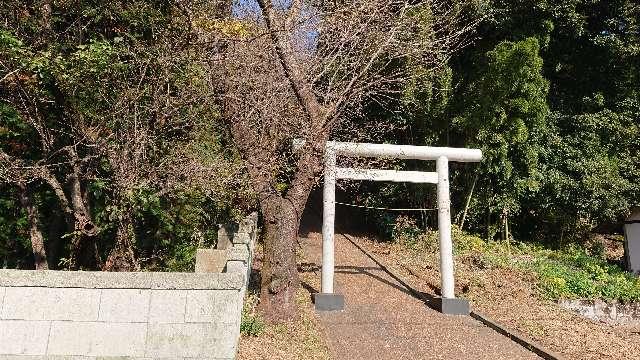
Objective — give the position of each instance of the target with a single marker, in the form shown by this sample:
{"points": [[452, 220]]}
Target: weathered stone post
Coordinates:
{"points": [[632, 242]]}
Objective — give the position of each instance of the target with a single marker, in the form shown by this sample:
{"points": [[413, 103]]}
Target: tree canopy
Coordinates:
{"points": [[129, 129]]}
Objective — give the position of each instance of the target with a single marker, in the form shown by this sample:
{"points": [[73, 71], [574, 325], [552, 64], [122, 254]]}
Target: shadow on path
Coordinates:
{"points": [[428, 299]]}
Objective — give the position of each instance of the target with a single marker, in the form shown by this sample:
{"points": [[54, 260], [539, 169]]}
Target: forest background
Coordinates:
{"points": [[115, 154]]}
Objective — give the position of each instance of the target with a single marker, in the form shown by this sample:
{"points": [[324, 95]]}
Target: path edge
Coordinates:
{"points": [[517, 337]]}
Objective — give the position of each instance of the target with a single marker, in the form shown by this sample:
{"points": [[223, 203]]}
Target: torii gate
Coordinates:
{"points": [[327, 300]]}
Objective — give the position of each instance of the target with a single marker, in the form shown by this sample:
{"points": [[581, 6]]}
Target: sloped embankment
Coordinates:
{"points": [[509, 284]]}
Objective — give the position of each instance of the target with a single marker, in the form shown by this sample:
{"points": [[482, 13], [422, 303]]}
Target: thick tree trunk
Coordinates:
{"points": [[83, 241], [85, 231], [279, 272], [282, 214], [37, 240]]}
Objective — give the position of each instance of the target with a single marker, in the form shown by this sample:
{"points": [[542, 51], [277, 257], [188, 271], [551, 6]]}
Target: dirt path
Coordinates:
{"points": [[382, 320]]}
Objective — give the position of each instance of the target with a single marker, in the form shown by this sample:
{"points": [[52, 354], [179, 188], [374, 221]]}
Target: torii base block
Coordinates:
{"points": [[328, 302], [452, 306]]}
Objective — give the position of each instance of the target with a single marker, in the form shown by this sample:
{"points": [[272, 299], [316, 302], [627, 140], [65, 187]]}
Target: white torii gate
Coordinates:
{"points": [[327, 300]]}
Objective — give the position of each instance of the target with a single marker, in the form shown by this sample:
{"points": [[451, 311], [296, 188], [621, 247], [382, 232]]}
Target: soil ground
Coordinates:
{"points": [[300, 339], [510, 297]]}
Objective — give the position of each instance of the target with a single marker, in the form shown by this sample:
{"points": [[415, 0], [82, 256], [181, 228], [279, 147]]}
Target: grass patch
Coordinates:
{"points": [[252, 323], [298, 339], [570, 273], [295, 340]]}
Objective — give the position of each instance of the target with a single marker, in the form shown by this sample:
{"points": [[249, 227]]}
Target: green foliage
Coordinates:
{"points": [[122, 83], [576, 274], [507, 110], [14, 238], [252, 323], [569, 273], [550, 91], [14, 133], [590, 164], [406, 232]]}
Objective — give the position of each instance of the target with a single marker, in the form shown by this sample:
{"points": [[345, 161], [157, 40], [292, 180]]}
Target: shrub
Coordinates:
{"points": [[569, 273]]}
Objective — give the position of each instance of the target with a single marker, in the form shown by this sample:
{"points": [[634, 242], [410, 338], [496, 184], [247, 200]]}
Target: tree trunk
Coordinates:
{"points": [[468, 202], [46, 10], [506, 226], [37, 240], [85, 231], [489, 224], [279, 272], [122, 256]]}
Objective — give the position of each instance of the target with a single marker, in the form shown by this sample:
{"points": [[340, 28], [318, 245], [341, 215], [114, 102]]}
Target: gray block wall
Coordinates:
{"points": [[87, 315]]}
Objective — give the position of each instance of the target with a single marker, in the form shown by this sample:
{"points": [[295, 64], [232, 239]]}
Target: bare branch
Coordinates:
{"points": [[285, 53]]}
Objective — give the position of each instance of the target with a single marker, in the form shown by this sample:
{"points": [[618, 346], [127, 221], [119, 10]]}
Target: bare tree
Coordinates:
{"points": [[300, 69]]}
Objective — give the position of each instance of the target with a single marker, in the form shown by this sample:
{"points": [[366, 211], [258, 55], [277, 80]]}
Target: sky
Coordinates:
{"points": [[309, 33]]}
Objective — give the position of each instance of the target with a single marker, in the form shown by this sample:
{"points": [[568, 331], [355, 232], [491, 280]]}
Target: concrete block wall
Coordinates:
{"points": [[91, 315]]}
